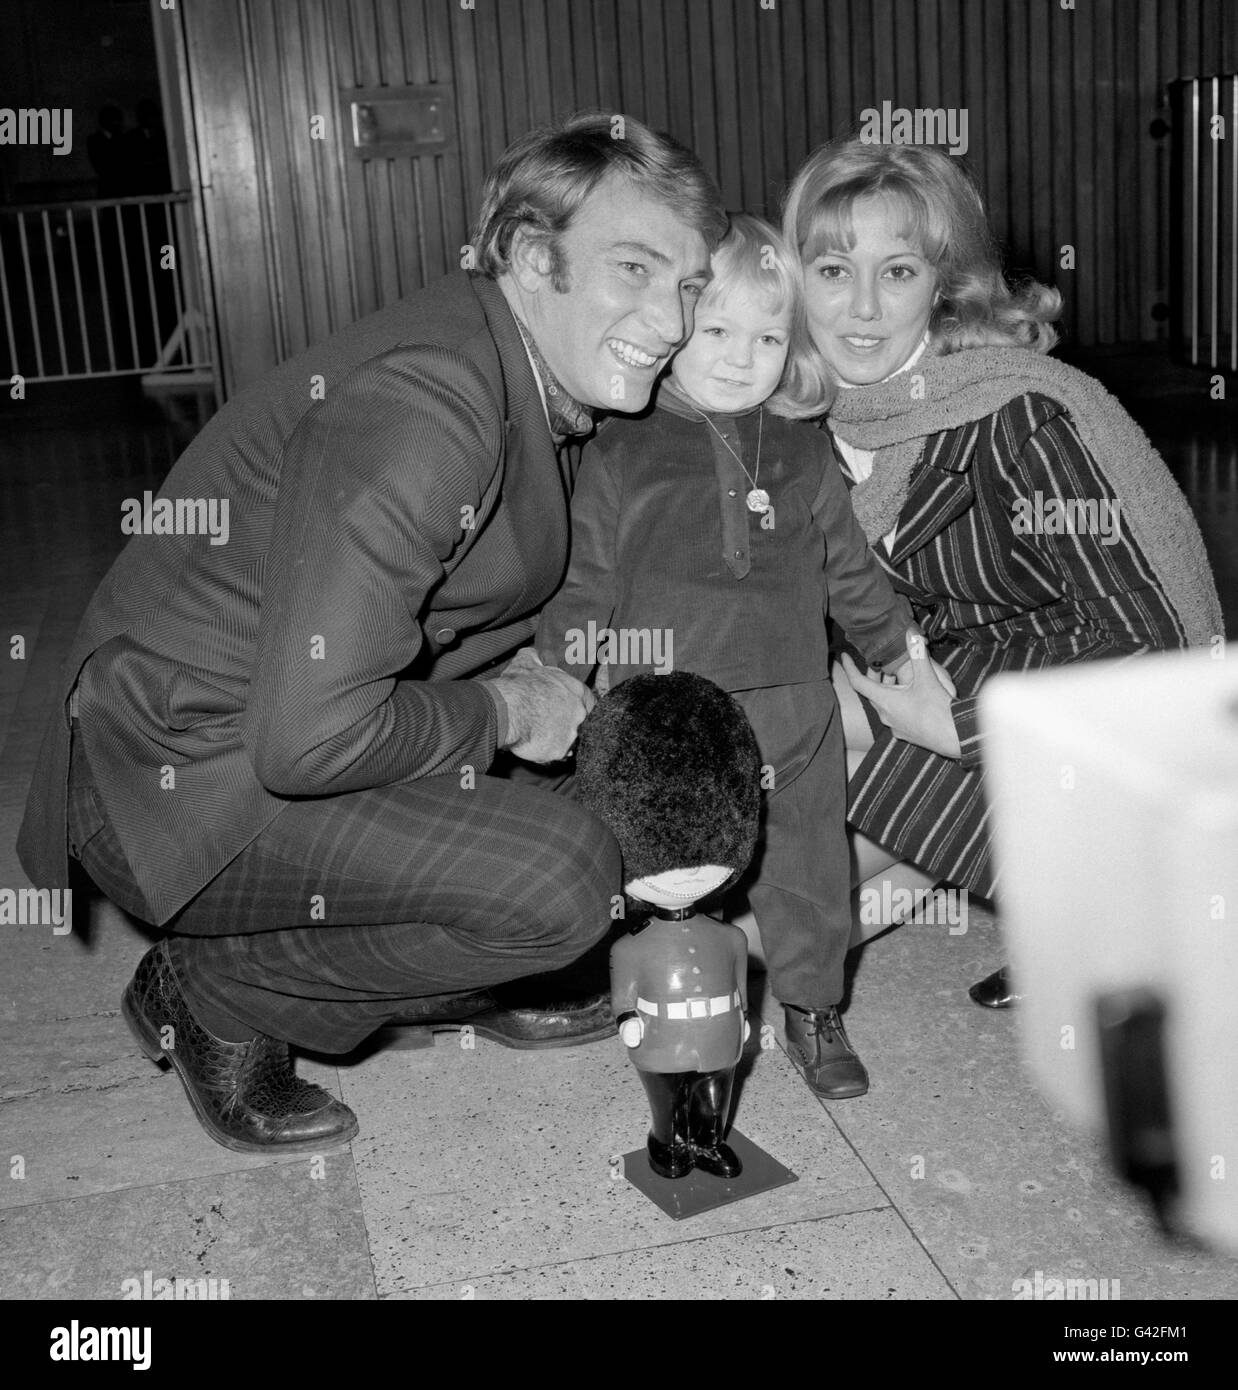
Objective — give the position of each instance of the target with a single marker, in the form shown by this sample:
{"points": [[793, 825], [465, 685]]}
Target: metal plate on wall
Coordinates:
{"points": [[394, 122]]}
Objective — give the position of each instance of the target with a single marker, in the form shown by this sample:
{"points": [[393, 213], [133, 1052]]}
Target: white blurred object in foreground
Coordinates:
{"points": [[1115, 793]]}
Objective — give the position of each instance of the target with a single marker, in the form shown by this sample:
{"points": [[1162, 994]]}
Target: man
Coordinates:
{"points": [[275, 746]]}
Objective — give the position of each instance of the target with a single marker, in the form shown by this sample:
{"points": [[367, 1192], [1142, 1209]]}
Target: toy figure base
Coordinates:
{"points": [[698, 1192]]}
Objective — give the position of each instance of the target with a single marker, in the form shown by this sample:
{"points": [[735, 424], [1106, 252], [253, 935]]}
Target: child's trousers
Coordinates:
{"points": [[799, 884]]}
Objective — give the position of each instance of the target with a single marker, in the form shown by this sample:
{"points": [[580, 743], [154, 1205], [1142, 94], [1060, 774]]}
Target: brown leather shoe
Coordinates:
{"points": [[818, 1044], [246, 1095], [568, 1023]]}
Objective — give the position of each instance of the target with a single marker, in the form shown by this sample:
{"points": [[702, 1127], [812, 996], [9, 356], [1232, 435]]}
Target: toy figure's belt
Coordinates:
{"points": [[690, 1008]]}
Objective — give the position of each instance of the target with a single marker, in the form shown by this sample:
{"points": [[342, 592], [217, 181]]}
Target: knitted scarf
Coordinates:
{"points": [[963, 387]]}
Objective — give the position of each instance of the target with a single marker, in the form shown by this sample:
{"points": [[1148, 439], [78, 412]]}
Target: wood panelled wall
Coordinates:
{"points": [[1062, 102]]}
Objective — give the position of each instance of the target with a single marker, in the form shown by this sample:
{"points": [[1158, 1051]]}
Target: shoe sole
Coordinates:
{"points": [[839, 1095], [598, 1034], [163, 1059], [850, 1094], [1008, 1003]]}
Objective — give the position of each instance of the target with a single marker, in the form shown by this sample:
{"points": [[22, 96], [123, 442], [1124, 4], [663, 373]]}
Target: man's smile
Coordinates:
{"points": [[630, 355]]}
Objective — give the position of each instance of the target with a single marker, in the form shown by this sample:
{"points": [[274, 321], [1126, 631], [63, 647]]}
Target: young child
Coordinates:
{"points": [[713, 535]]}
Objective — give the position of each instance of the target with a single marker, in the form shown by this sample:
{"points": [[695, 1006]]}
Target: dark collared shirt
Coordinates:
{"points": [[565, 413]]}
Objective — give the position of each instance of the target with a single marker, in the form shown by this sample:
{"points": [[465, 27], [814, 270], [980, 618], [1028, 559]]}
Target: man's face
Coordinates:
{"points": [[634, 270]]}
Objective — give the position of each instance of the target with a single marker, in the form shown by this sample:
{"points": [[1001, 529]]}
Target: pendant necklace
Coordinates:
{"points": [[758, 498]]}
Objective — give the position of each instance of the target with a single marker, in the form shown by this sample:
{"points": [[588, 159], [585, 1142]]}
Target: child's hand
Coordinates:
{"points": [[906, 671], [917, 709]]}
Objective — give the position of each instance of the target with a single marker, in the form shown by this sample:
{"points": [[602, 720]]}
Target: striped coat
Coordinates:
{"points": [[991, 599]]}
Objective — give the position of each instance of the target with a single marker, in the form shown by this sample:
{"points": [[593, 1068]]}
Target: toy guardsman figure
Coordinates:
{"points": [[670, 763]]}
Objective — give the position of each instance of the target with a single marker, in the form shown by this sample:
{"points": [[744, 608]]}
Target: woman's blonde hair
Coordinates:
{"points": [[754, 257], [940, 211]]}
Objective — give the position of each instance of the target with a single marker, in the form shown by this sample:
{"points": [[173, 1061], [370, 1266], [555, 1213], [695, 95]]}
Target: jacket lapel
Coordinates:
{"points": [[523, 412], [941, 490], [537, 484]]}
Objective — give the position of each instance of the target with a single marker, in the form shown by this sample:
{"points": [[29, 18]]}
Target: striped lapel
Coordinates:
{"points": [[941, 490]]}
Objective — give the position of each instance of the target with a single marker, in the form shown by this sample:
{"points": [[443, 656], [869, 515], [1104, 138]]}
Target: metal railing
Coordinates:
{"points": [[107, 287], [1204, 247]]}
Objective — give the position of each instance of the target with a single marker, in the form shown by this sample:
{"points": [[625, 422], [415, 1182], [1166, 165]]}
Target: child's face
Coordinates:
{"points": [[736, 354]]}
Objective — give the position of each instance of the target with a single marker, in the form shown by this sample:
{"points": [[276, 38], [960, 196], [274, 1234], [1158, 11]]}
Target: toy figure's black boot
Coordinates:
{"points": [[710, 1106], [669, 1153]]}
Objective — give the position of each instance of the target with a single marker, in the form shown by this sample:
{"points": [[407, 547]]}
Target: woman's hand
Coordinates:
{"points": [[917, 709]]}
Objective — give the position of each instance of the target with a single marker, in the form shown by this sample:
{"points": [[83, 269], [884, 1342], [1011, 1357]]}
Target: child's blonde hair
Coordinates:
{"points": [[753, 256]]}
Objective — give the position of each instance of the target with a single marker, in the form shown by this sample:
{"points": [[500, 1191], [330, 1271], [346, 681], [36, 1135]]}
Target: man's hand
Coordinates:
{"points": [[545, 707], [917, 709]]}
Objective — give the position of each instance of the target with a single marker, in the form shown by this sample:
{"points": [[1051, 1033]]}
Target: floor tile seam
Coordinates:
{"points": [[881, 1187], [283, 1161], [360, 1199], [575, 1260]]}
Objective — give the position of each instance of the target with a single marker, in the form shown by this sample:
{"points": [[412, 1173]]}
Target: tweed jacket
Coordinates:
{"points": [[991, 597], [398, 516]]}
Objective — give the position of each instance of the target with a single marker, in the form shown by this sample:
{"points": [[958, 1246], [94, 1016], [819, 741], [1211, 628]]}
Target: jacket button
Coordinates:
{"points": [[732, 493], [445, 635], [738, 554]]}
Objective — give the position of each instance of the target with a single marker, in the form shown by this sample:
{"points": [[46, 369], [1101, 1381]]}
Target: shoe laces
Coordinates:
{"points": [[821, 1021]]}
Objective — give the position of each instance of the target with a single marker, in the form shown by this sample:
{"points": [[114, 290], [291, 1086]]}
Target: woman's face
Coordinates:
{"points": [[868, 307]]}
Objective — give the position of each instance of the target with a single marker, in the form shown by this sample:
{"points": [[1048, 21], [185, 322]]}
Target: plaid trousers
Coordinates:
{"points": [[346, 909]]}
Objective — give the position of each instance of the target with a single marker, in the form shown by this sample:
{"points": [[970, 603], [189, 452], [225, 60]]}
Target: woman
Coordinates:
{"points": [[969, 452]]}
